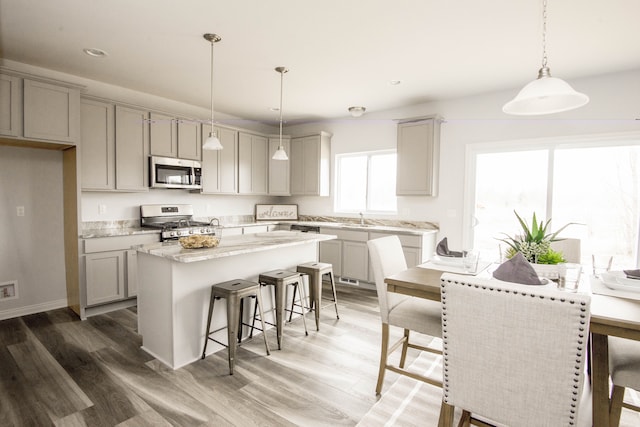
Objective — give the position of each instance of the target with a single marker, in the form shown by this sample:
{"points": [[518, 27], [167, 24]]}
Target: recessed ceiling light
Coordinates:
{"points": [[394, 82], [92, 51]]}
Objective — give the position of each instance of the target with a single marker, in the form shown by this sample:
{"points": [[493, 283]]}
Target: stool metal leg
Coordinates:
{"points": [[315, 285], [280, 296], [303, 297], [206, 337], [333, 290], [233, 320], [264, 331]]}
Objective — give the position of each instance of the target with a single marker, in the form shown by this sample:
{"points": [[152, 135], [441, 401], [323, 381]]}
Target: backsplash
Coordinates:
{"points": [[425, 225]]}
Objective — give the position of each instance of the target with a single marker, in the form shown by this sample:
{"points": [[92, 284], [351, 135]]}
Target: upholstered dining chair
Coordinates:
{"points": [[512, 354], [624, 367], [409, 313]]}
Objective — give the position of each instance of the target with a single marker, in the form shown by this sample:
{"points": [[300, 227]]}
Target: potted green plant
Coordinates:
{"points": [[535, 245]]}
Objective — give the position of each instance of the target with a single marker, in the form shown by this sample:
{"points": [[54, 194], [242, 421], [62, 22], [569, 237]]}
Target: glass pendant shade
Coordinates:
{"points": [[545, 95], [280, 154], [212, 142]]}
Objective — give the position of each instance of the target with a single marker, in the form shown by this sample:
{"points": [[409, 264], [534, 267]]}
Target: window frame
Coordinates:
{"points": [[367, 210], [549, 143]]}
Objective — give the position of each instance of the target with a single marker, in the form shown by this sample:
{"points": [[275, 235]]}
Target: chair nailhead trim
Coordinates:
{"points": [[579, 343]]}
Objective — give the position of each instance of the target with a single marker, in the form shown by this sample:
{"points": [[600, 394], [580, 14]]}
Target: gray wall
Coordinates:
{"points": [[31, 246]]}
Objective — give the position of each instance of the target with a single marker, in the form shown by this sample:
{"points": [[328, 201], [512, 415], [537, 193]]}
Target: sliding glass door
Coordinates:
{"points": [[592, 182]]}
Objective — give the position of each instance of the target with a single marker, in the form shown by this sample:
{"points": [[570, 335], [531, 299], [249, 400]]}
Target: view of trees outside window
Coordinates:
{"points": [[366, 182], [598, 188]]}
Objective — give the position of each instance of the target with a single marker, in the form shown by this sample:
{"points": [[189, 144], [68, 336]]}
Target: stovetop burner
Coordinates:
{"points": [[175, 221]]}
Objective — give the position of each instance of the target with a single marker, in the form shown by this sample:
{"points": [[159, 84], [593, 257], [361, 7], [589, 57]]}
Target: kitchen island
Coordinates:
{"points": [[175, 285]]}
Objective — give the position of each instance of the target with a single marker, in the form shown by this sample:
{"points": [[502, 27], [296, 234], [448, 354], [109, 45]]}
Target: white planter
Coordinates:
{"points": [[549, 271]]}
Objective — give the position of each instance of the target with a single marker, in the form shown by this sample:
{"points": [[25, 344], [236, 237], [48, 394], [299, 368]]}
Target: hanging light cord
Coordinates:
{"points": [[212, 43], [544, 34], [281, 83]]}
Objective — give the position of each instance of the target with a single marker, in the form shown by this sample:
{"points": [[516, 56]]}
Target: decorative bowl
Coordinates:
{"points": [[199, 241]]}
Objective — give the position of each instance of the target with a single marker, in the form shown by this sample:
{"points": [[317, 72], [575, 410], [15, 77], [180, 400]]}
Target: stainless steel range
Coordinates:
{"points": [[176, 221]]}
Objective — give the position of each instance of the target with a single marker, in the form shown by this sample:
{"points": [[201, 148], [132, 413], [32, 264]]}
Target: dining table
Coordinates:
{"points": [[610, 316]]}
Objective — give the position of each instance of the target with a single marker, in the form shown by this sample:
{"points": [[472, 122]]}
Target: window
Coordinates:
{"points": [[595, 183], [366, 182]]}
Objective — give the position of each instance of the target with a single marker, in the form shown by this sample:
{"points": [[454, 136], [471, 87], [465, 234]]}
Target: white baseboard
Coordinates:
{"points": [[32, 309]]}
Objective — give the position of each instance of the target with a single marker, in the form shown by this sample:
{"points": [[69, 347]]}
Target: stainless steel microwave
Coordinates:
{"points": [[167, 172]]}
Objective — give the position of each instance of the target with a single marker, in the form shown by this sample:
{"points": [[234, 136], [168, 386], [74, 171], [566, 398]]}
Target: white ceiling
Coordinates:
{"points": [[340, 52]]}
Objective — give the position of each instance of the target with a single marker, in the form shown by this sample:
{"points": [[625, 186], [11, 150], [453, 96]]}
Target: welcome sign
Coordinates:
{"points": [[276, 212]]}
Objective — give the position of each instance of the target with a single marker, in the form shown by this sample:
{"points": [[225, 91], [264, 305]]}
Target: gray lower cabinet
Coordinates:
{"points": [[110, 268], [220, 167], [39, 109], [349, 253], [132, 149]]}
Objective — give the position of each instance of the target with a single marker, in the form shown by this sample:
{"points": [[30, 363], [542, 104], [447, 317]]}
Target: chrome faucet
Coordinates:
{"points": [[361, 218], [216, 220]]}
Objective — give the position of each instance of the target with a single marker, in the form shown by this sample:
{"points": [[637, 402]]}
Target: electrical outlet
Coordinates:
{"points": [[20, 210], [102, 209]]}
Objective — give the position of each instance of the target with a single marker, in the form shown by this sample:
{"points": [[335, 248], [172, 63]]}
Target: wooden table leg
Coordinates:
{"points": [[600, 379]]}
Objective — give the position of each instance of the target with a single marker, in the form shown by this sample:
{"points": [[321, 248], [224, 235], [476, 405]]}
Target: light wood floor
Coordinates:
{"points": [[58, 370]]}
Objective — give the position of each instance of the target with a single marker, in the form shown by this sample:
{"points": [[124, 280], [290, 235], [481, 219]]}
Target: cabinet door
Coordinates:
{"points": [[10, 105], [355, 260], [331, 253], [132, 273], [105, 277], [417, 158], [220, 167], [98, 145], [296, 162], [162, 135], [51, 112], [189, 139], [252, 164], [279, 169], [412, 256], [311, 156], [132, 149]]}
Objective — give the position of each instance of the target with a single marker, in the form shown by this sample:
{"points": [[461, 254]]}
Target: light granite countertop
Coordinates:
{"points": [[233, 245]]}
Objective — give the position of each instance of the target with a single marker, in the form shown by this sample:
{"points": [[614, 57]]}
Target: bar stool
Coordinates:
{"points": [[234, 291], [280, 279], [316, 272]]}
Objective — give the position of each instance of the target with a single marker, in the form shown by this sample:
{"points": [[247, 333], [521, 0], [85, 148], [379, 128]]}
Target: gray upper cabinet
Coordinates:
{"points": [[98, 145], [132, 149], [163, 139], [51, 112], [189, 139], [279, 179], [310, 165], [39, 109], [418, 157], [252, 164], [10, 105], [220, 167], [174, 137]]}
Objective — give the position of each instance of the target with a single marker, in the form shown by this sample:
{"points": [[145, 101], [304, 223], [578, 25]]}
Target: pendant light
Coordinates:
{"points": [[212, 142], [280, 154], [546, 94]]}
